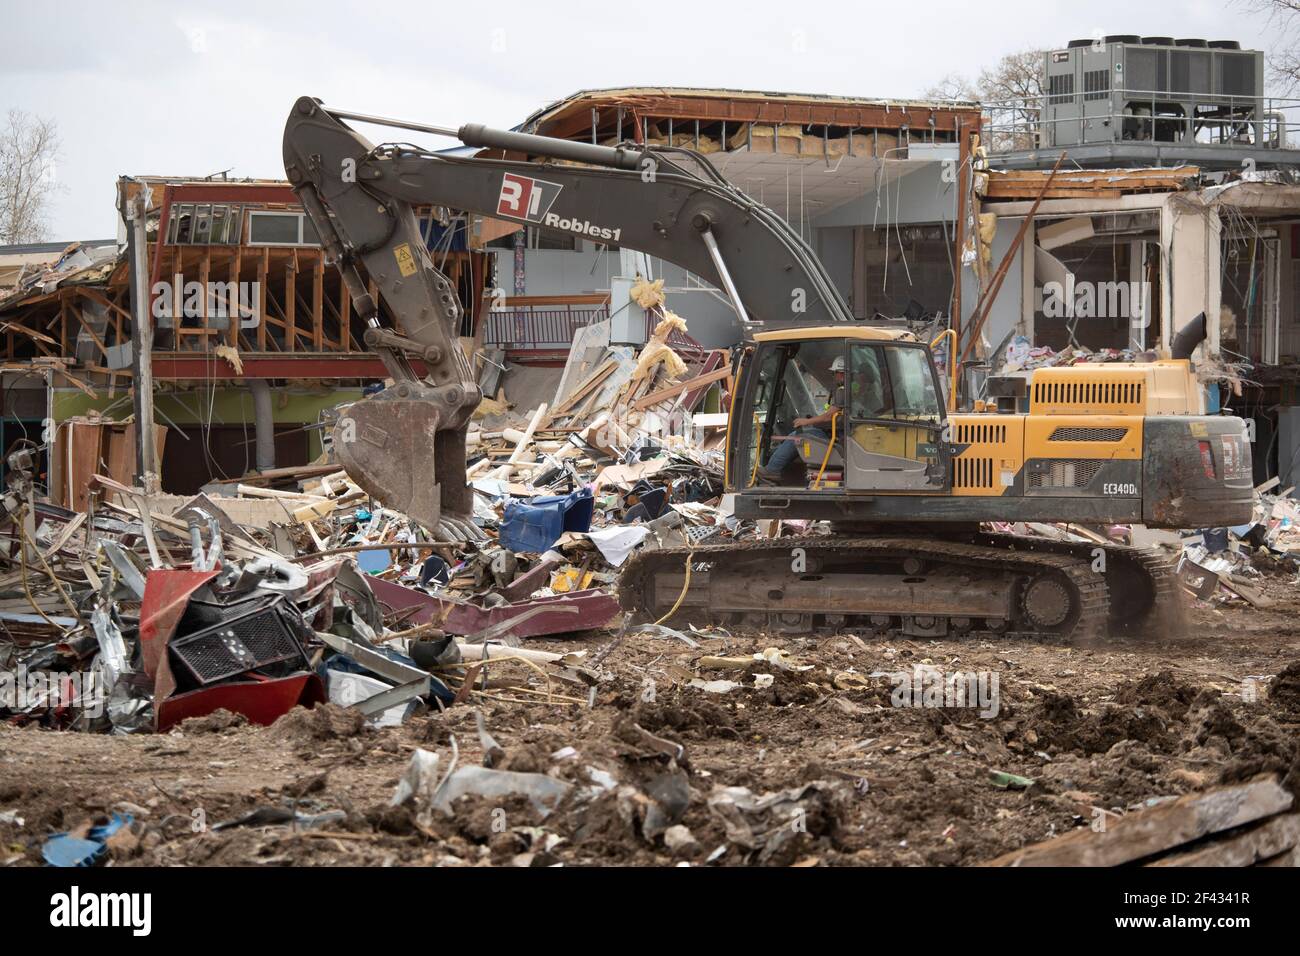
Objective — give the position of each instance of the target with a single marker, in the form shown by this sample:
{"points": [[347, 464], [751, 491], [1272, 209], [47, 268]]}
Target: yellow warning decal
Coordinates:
{"points": [[1198, 429], [405, 261]]}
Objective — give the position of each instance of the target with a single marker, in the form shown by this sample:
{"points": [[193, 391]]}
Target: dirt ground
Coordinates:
{"points": [[1097, 729]]}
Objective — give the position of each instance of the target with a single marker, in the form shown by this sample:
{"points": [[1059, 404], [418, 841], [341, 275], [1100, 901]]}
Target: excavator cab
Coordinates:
{"points": [[887, 435]]}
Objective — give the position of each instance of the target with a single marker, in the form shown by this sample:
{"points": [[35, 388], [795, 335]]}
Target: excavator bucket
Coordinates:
{"points": [[389, 447]]}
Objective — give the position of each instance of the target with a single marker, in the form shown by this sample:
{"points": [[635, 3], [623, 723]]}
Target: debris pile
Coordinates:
{"points": [[292, 586], [1225, 565], [1215, 566], [1022, 355]]}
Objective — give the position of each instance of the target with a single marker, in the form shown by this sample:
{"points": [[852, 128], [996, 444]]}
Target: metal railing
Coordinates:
{"points": [[1148, 116], [530, 328]]}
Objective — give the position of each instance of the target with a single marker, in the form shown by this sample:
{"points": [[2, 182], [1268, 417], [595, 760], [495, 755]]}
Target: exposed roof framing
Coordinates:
{"points": [[572, 116]]}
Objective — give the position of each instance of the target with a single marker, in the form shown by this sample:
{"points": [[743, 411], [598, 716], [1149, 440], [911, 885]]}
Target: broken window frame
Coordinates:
{"points": [[218, 224]]}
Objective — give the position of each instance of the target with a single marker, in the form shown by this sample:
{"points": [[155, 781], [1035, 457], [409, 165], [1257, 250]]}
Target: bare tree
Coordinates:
{"points": [[1015, 76], [953, 86], [29, 148], [1011, 92], [1284, 58]]}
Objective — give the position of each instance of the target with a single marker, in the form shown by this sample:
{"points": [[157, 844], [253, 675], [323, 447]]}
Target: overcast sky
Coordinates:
{"points": [[188, 88]]}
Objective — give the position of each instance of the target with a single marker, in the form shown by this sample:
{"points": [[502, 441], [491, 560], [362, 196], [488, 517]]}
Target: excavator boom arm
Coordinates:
{"points": [[668, 203]]}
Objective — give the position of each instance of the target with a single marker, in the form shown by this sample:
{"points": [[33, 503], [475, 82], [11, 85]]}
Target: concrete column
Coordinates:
{"points": [[1028, 282], [1191, 241], [1140, 304], [134, 212]]}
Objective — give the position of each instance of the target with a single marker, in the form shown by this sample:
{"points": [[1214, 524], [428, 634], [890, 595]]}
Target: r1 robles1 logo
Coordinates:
{"points": [[526, 198]]}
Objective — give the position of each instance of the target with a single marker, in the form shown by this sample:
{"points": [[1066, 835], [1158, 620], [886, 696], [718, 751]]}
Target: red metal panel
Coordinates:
{"points": [[712, 362], [595, 609], [166, 594], [278, 193], [261, 701], [398, 598]]}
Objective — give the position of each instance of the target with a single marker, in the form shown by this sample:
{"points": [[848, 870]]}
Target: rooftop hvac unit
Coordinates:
{"points": [[1128, 88]]}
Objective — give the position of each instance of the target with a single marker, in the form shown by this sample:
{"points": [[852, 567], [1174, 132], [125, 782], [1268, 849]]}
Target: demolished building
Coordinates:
{"points": [[1176, 198], [286, 584], [899, 165], [243, 304]]}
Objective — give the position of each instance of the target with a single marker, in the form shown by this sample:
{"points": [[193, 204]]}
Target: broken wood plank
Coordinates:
{"points": [[1250, 595], [599, 375], [37, 337], [318, 304], [234, 300], [654, 398], [255, 491], [1246, 848], [65, 534], [273, 474], [1145, 833], [291, 304], [263, 266]]}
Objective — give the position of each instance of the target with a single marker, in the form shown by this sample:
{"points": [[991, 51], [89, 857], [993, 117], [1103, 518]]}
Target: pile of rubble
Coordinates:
{"points": [[295, 587], [1022, 355], [1227, 565]]}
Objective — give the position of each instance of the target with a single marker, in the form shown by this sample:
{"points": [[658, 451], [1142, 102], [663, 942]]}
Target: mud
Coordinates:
{"points": [[848, 777]]}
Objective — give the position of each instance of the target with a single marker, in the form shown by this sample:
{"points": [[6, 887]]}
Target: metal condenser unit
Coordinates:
{"points": [[1152, 89]]}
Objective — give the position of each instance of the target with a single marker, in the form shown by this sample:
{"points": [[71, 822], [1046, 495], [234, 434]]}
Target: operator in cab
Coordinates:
{"points": [[818, 426]]}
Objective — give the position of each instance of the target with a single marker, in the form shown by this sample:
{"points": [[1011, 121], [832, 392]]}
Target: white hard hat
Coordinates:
{"points": [[838, 364]]}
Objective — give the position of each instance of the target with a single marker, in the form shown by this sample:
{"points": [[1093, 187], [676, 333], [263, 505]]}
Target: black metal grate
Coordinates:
{"points": [[1088, 434], [1087, 393], [1065, 473], [243, 643], [1060, 88], [972, 473], [981, 433]]}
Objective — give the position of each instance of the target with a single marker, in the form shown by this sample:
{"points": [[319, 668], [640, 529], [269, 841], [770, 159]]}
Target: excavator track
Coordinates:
{"points": [[907, 586], [1144, 590]]}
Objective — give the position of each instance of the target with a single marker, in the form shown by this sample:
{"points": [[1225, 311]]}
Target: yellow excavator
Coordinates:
{"points": [[908, 488]]}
